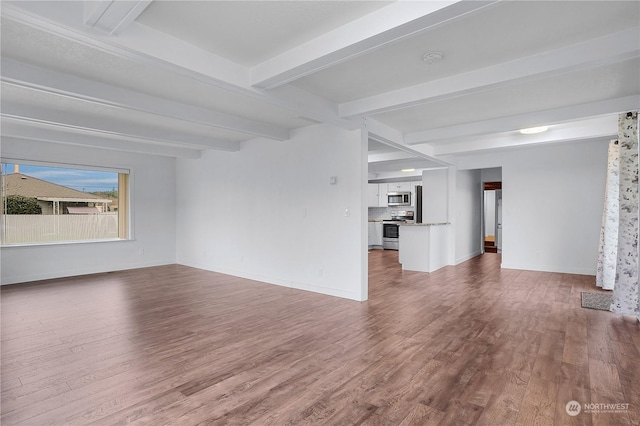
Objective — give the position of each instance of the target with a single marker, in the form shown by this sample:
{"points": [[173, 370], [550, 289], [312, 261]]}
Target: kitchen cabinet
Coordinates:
{"points": [[375, 234], [377, 195], [382, 197], [374, 194], [423, 247], [399, 186], [378, 192]]}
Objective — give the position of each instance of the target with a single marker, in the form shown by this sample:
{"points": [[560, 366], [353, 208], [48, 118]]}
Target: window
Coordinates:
{"points": [[52, 203]]}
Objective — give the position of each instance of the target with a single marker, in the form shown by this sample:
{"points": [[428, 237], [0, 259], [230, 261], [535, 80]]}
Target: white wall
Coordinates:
{"points": [[491, 175], [153, 196], [269, 212], [467, 217], [552, 204], [437, 190]]}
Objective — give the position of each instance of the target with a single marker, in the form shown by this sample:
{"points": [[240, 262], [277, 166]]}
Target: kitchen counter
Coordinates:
{"points": [[423, 224], [423, 247]]}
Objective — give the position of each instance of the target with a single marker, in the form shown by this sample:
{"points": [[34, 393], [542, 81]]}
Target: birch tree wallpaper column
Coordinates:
{"points": [[626, 297]]}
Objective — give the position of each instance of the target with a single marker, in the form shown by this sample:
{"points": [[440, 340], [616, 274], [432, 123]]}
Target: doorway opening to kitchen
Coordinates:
{"points": [[492, 217]]}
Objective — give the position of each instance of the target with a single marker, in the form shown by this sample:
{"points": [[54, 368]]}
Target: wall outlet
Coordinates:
{"points": [[347, 213]]}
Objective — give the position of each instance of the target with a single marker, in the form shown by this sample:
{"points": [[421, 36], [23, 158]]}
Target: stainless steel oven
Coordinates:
{"points": [[391, 229], [390, 236]]}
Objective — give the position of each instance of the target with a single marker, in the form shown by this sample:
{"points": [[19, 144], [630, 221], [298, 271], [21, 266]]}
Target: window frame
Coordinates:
{"points": [[126, 215]]}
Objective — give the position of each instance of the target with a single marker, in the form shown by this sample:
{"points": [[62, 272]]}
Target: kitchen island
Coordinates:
{"points": [[424, 247]]}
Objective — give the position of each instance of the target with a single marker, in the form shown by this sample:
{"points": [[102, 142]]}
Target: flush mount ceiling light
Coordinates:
{"points": [[533, 130], [432, 57], [408, 170]]}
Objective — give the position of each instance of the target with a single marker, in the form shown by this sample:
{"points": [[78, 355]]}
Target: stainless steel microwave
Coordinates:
{"points": [[398, 198]]}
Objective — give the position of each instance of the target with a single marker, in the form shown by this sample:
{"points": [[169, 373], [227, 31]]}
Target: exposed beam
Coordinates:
{"points": [[144, 45], [396, 166], [61, 119], [390, 24], [374, 157], [30, 76], [393, 138], [112, 16], [515, 122], [605, 50], [19, 130], [139, 43], [600, 127]]}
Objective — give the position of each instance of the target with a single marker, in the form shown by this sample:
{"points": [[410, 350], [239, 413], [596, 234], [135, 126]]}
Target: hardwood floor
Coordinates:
{"points": [[465, 345]]}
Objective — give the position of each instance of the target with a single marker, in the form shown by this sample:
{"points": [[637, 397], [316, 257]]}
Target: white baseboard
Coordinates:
{"points": [[329, 291], [459, 260], [562, 269], [27, 277]]}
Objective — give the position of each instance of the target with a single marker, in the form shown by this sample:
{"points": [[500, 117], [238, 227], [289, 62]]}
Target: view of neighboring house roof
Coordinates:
{"points": [[28, 186]]}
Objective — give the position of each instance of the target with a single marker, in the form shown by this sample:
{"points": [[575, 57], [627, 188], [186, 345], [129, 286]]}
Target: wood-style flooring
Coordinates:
{"points": [[465, 345]]}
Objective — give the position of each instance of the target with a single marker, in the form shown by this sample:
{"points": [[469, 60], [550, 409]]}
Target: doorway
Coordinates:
{"points": [[492, 217]]}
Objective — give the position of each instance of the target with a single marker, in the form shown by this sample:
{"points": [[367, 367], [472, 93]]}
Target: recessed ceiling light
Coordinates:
{"points": [[534, 130], [408, 170]]}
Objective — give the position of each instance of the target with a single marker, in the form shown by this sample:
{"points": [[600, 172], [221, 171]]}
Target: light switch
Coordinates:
{"points": [[333, 180]]}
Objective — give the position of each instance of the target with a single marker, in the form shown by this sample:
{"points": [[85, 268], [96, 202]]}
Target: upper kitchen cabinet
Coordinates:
{"points": [[374, 195], [378, 195], [382, 198], [399, 186]]}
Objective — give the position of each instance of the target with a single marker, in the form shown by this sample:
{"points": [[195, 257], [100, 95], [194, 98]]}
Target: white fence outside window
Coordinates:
{"points": [[29, 229]]}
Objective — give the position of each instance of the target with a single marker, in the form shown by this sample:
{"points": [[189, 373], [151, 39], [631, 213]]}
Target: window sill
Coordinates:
{"points": [[65, 243]]}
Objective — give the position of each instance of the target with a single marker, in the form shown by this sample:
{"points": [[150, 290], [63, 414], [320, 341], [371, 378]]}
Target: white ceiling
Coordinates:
{"points": [[251, 32], [175, 77]]}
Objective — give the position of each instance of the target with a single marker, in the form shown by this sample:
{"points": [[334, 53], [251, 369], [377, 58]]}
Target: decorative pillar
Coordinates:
{"points": [[608, 251], [626, 297]]}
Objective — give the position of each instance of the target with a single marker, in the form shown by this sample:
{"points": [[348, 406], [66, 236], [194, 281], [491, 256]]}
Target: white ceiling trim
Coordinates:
{"points": [[388, 156], [595, 128], [597, 52], [390, 24], [389, 136], [24, 75], [127, 130], [112, 16], [27, 131], [515, 122], [143, 45]]}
